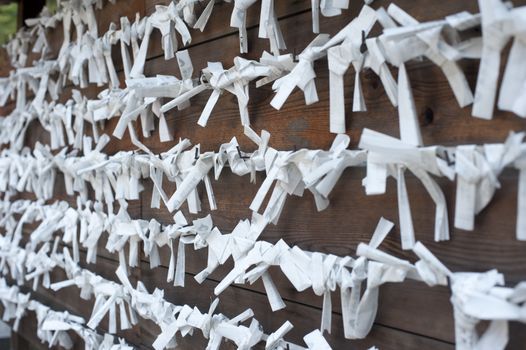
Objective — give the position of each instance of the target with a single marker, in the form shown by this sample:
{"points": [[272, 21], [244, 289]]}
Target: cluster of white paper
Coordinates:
{"points": [[111, 298], [475, 296], [321, 272], [117, 178], [53, 326], [268, 22], [403, 39], [315, 170]]}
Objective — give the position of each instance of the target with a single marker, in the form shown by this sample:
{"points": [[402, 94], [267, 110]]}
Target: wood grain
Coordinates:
{"points": [[411, 315]]}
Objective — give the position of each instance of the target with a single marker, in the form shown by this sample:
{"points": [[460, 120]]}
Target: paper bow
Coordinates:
{"points": [[389, 156], [234, 80], [328, 9], [499, 25], [416, 39]]}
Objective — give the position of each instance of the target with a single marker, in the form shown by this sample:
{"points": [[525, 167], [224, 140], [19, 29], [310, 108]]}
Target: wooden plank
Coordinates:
{"points": [[133, 210], [144, 334], [219, 22], [413, 297], [26, 337], [304, 318], [352, 216], [36, 132], [69, 298], [295, 125], [105, 16], [397, 303]]}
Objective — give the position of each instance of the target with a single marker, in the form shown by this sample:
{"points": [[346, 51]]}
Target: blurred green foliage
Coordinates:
{"points": [[9, 18], [51, 5], [8, 21]]}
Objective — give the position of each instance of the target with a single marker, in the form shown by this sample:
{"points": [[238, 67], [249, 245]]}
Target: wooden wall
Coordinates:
{"points": [[411, 315]]}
